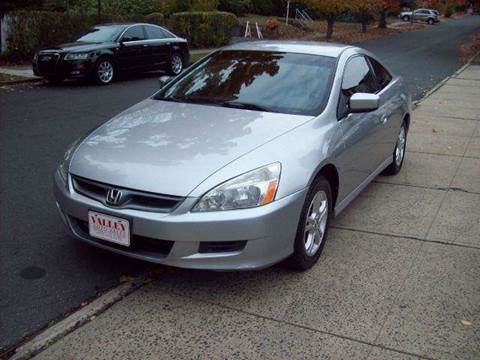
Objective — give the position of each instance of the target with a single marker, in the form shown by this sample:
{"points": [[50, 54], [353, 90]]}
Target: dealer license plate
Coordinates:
{"points": [[109, 228]]}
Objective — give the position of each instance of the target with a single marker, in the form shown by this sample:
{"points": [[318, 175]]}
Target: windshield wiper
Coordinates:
{"points": [[246, 106]]}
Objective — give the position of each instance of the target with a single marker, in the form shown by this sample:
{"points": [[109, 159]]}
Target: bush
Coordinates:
{"points": [[262, 7], [204, 29], [237, 7], [30, 31], [154, 18], [203, 5]]}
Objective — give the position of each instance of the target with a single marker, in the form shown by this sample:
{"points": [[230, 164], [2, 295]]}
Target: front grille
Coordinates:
{"points": [[138, 244], [47, 63], [130, 199]]}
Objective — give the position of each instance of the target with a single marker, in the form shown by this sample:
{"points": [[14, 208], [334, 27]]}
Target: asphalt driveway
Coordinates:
{"points": [[44, 274]]}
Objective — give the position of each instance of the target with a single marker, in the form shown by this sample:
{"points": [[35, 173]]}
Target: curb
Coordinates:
{"points": [[75, 320], [23, 81], [442, 82]]}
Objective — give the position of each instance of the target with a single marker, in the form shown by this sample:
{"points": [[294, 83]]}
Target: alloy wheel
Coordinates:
{"points": [[316, 223], [105, 72], [177, 64], [400, 148]]}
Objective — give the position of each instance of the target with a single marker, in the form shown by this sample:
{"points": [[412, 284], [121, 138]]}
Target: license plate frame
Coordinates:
{"points": [[109, 228]]}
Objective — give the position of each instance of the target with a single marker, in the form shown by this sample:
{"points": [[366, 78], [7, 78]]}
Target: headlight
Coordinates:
{"points": [[35, 57], [77, 56], [64, 166], [255, 188]]}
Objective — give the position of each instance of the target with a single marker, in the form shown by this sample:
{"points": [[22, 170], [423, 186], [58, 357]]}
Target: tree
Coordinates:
{"points": [[331, 9], [386, 7], [367, 9]]}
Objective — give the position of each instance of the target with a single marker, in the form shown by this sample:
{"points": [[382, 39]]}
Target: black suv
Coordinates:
{"points": [[106, 49]]}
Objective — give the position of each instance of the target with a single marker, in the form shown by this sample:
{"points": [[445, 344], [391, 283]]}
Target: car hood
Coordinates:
{"points": [[79, 46], [170, 148]]}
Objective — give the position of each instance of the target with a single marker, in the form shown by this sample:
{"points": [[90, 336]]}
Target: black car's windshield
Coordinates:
{"points": [[101, 34], [266, 81]]}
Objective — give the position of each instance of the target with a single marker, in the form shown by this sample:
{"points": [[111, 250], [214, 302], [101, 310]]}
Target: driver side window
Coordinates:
{"points": [[134, 33], [357, 78]]}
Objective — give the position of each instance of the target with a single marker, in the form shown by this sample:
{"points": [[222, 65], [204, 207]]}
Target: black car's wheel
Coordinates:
{"points": [[399, 152], [176, 64], [313, 226], [104, 71], [406, 18], [430, 21]]}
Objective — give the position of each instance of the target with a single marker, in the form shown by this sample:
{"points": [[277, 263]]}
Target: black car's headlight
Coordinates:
{"points": [[77, 56], [255, 188]]}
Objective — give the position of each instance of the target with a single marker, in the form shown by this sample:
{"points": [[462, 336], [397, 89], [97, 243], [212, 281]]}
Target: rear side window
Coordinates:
{"points": [[154, 32], [383, 77], [357, 78], [134, 33]]}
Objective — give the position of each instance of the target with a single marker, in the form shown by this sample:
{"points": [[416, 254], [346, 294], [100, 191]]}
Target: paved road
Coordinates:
{"points": [[44, 274]]}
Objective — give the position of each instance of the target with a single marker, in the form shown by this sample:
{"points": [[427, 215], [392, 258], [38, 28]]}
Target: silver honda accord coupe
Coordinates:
{"points": [[241, 161]]}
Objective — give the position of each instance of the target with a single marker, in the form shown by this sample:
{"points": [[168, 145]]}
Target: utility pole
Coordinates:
{"points": [[288, 12]]}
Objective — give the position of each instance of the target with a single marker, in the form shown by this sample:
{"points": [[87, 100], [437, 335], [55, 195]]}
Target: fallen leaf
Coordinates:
{"points": [[83, 303], [449, 147], [147, 280], [92, 318], [126, 279], [434, 131], [466, 323]]}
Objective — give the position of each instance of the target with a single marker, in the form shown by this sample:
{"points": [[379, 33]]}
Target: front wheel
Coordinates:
{"points": [[104, 72], [399, 152], [430, 21], [176, 64], [313, 226], [406, 18]]}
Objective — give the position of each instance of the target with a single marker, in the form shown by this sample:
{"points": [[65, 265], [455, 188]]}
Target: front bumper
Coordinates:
{"points": [[73, 69], [265, 234]]}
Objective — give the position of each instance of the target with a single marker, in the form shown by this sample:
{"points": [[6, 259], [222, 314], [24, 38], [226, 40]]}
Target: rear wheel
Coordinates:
{"points": [[104, 71], [399, 152], [176, 64], [313, 226], [430, 21]]}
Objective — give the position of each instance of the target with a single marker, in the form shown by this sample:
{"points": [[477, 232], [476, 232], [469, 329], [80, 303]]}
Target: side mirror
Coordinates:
{"points": [[164, 80], [363, 102]]}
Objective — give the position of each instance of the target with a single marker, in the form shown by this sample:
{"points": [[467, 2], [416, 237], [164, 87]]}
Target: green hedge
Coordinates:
{"points": [[204, 29], [30, 31]]}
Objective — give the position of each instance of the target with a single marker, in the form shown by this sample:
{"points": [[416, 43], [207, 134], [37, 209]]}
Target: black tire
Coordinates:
{"points": [[300, 260], [104, 72], [175, 66], [430, 21], [395, 167], [55, 80], [406, 18]]}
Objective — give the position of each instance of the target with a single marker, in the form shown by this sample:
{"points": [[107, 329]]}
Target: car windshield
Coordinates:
{"points": [[265, 81], [101, 34]]}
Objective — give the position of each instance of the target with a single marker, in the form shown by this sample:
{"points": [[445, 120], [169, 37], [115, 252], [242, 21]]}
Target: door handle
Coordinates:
{"points": [[384, 119], [145, 45]]}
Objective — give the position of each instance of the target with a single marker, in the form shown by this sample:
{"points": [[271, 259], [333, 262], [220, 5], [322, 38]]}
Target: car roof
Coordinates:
{"points": [[299, 47]]}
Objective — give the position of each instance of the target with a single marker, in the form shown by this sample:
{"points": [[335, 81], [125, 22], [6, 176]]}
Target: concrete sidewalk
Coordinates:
{"points": [[399, 278]]}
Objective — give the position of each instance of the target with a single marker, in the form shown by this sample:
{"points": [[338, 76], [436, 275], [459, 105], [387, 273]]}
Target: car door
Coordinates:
{"points": [[361, 132], [158, 51], [132, 53], [390, 107]]}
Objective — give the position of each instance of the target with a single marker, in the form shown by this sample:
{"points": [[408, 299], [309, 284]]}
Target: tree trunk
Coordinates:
{"points": [[330, 22], [99, 10], [382, 23], [364, 25]]}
